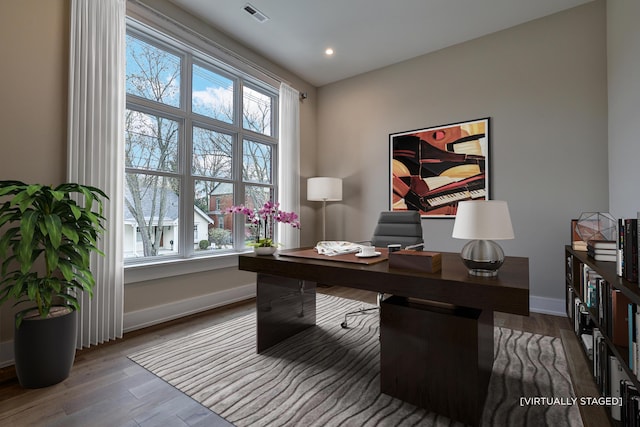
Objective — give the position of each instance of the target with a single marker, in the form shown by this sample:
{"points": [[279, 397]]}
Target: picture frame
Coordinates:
{"points": [[432, 169]]}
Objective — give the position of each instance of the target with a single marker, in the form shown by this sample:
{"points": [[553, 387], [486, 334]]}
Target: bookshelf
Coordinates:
{"points": [[605, 311]]}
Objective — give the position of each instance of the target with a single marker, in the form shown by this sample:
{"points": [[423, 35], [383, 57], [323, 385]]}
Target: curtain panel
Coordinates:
{"points": [[289, 162], [96, 150]]}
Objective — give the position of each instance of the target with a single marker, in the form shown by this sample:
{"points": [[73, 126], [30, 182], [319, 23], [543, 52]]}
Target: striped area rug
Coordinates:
{"points": [[329, 376]]}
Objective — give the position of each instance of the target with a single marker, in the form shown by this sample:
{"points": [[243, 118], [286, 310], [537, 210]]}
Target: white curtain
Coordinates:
{"points": [[96, 150], [289, 162]]}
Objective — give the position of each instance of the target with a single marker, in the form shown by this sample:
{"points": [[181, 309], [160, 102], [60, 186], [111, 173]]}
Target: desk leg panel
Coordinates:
{"points": [[284, 307], [436, 358]]}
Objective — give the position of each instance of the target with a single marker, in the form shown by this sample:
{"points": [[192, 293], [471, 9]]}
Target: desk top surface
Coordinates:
{"points": [[508, 292]]}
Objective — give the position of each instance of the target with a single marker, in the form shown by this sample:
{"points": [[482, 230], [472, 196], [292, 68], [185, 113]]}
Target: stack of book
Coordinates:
{"points": [[622, 248], [602, 250]]}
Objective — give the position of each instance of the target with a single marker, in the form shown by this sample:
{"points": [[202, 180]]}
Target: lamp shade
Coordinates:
{"points": [[324, 189], [483, 220]]}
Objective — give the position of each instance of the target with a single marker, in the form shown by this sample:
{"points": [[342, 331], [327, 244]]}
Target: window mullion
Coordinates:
{"points": [[186, 162], [238, 223]]}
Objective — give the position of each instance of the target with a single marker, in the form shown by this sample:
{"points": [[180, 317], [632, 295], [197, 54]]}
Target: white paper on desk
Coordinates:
{"points": [[337, 247]]}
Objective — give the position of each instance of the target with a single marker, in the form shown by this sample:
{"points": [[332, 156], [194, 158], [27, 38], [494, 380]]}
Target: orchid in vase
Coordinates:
{"points": [[263, 221]]}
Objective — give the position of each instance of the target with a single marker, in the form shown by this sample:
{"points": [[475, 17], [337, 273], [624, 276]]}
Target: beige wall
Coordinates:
{"points": [[623, 50], [33, 111], [544, 86], [33, 107]]}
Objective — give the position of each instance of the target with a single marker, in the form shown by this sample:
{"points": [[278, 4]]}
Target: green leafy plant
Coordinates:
{"points": [[46, 243], [220, 237]]}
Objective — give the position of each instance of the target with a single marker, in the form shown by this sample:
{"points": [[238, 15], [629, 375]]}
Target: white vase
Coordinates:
{"points": [[264, 250]]}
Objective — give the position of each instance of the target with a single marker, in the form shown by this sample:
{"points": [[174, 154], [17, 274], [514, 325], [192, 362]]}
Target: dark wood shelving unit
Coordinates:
{"points": [[607, 270]]}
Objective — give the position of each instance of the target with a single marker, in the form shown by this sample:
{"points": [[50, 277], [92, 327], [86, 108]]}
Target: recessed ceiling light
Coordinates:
{"points": [[328, 51]]}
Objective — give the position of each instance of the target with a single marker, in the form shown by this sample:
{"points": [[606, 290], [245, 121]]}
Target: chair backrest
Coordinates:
{"points": [[403, 227]]}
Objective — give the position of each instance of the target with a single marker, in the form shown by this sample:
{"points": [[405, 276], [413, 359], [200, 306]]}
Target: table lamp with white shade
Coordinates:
{"points": [[482, 221], [324, 189]]}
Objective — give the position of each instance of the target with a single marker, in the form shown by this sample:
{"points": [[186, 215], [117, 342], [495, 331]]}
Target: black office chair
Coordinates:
{"points": [[403, 228]]}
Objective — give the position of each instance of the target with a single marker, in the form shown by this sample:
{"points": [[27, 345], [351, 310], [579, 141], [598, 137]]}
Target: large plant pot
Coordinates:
{"points": [[45, 349]]}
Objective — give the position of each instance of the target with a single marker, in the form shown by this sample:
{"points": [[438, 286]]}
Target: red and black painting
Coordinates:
{"points": [[433, 169]]}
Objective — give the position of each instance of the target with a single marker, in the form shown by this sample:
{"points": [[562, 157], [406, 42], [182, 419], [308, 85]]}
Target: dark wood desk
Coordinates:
{"points": [[436, 331]]}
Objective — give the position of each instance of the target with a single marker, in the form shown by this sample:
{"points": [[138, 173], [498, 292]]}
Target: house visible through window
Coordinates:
{"points": [[200, 137]]}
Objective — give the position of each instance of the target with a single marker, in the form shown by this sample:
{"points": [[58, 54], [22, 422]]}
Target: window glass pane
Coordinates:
{"points": [[212, 153], [214, 226], [256, 164], [256, 111], [151, 215], [151, 142], [212, 95], [152, 73]]}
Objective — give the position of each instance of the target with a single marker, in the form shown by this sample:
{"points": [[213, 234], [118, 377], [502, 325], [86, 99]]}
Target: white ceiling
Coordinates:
{"points": [[365, 34]]}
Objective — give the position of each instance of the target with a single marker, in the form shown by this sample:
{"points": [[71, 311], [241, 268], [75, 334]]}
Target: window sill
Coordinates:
{"points": [[177, 267]]}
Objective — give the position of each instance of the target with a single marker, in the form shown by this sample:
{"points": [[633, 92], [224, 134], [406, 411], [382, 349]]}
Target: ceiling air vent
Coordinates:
{"points": [[257, 15]]}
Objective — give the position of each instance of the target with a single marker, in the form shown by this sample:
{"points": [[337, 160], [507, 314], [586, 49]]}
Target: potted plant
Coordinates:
{"points": [[263, 221], [47, 237]]}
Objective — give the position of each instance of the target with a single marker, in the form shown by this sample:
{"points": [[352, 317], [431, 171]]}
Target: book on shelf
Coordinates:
{"points": [[602, 244], [631, 329], [602, 251], [617, 374], [604, 257], [605, 371], [630, 250], [636, 331], [634, 339], [579, 245], [620, 248], [619, 318], [582, 322], [590, 280], [604, 305], [629, 409], [587, 344], [569, 300], [635, 411], [597, 359]]}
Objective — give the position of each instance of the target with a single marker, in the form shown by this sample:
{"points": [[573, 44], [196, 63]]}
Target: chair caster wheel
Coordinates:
{"points": [[344, 325]]}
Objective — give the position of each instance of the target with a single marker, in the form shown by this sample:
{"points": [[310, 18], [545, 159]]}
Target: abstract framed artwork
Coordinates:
{"points": [[432, 169]]}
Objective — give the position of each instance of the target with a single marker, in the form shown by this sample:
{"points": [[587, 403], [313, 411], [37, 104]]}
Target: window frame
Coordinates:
{"points": [[186, 260]]}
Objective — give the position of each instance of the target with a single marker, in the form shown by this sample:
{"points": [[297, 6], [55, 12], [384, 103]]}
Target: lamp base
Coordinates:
{"points": [[482, 257]]}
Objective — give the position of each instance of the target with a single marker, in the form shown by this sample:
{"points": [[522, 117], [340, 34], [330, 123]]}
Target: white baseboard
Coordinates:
{"points": [[154, 315], [151, 316], [553, 306]]}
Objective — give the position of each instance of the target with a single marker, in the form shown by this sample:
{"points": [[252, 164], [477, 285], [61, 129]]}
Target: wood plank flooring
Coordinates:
{"points": [[106, 389]]}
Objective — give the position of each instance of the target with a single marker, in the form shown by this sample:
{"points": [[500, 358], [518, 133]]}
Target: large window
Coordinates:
{"points": [[200, 137]]}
